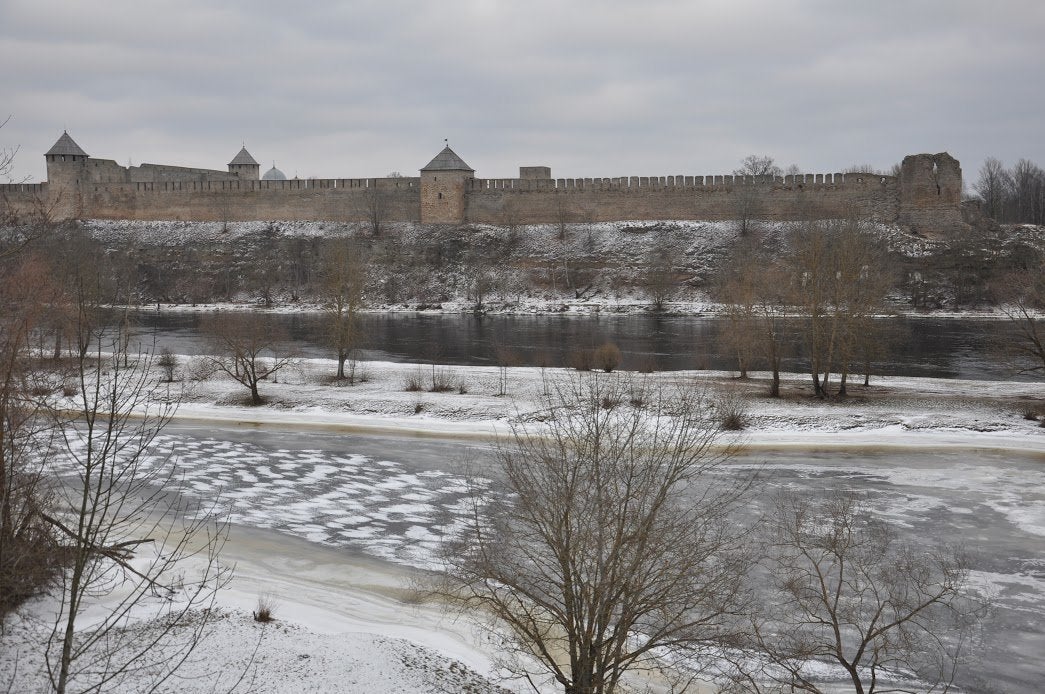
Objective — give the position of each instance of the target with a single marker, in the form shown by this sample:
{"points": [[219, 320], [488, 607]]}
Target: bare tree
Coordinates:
{"points": [[344, 277], [126, 530], [7, 155], [993, 185], [241, 341], [659, 272], [375, 207], [29, 559], [612, 551], [839, 283], [758, 165], [1015, 195], [747, 195], [849, 593], [755, 288], [1023, 303], [563, 215], [863, 279]]}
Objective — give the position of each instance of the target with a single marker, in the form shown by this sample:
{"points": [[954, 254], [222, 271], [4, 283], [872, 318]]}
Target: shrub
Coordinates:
{"points": [[1030, 414], [414, 383], [265, 610], [442, 381], [462, 388], [168, 363], [732, 411], [581, 359], [607, 357], [200, 369]]}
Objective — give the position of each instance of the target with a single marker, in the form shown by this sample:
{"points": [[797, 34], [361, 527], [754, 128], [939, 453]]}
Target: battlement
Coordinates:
{"points": [[925, 196], [644, 183], [239, 185]]}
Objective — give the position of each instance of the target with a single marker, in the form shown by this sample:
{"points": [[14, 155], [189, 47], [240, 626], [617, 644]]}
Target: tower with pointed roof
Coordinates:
{"points": [[444, 184], [244, 166], [66, 171]]}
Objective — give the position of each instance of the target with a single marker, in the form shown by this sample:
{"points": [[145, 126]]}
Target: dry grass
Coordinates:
{"points": [[266, 609]]}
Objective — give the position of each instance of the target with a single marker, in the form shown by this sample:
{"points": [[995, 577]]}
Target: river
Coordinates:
{"points": [[932, 347], [393, 498]]}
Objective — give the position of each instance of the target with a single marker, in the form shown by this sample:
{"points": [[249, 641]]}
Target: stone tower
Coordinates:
{"points": [[930, 193], [66, 170], [444, 183], [244, 166]]}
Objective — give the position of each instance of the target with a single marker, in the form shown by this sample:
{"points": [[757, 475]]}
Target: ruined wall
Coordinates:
{"points": [[341, 199], [931, 193], [163, 172], [496, 201], [106, 171]]}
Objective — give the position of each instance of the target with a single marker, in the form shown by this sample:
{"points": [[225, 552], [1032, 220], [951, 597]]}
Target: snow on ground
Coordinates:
{"points": [[346, 622], [342, 624], [891, 411]]}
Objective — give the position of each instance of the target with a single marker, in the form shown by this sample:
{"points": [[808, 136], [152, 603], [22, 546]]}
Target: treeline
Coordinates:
{"points": [[1012, 196]]}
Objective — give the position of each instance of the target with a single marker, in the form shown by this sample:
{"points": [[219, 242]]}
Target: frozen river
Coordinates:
{"points": [[393, 497]]}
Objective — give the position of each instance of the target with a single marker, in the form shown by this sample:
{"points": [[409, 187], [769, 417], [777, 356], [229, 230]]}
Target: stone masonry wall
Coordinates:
{"points": [[497, 201], [22, 201], [926, 196], [313, 199]]}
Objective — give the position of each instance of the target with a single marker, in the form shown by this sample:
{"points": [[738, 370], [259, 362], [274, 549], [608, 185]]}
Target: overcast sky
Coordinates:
{"points": [[589, 88]]}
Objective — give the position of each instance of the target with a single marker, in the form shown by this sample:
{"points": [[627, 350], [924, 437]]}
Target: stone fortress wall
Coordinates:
{"points": [[926, 196]]}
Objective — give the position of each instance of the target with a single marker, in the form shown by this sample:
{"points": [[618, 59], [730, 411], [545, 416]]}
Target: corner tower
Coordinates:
{"points": [[66, 170], [444, 183], [244, 166], [66, 162]]}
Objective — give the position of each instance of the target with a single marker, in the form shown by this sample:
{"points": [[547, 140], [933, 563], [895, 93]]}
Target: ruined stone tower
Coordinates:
{"points": [[444, 183], [930, 193]]}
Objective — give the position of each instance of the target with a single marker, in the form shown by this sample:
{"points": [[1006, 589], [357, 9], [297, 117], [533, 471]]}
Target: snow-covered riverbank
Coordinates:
{"points": [[351, 622], [891, 411]]}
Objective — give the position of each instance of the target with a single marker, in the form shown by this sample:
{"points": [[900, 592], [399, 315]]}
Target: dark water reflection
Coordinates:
{"points": [[935, 347]]}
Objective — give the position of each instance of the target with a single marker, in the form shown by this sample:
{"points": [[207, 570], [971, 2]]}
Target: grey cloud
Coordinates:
{"points": [[590, 88]]}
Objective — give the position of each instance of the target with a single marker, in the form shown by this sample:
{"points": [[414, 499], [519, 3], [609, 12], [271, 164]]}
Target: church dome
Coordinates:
{"points": [[274, 174]]}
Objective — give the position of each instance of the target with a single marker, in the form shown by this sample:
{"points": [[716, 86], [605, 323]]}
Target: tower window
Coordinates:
{"points": [[440, 196]]}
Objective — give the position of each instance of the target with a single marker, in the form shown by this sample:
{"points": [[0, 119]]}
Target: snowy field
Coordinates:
{"points": [[340, 494]]}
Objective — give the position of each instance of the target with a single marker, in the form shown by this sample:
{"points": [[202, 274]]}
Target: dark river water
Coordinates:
{"points": [[934, 347]]}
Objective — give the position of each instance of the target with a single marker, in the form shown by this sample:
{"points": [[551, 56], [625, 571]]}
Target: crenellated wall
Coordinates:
{"points": [[925, 196], [682, 197], [22, 201], [334, 199]]}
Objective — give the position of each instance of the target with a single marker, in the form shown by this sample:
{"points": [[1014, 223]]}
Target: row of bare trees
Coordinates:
{"points": [[621, 549], [90, 511], [1013, 195], [829, 275]]}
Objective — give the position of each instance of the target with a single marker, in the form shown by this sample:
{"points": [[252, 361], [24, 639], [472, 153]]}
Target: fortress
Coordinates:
{"points": [[925, 197]]}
